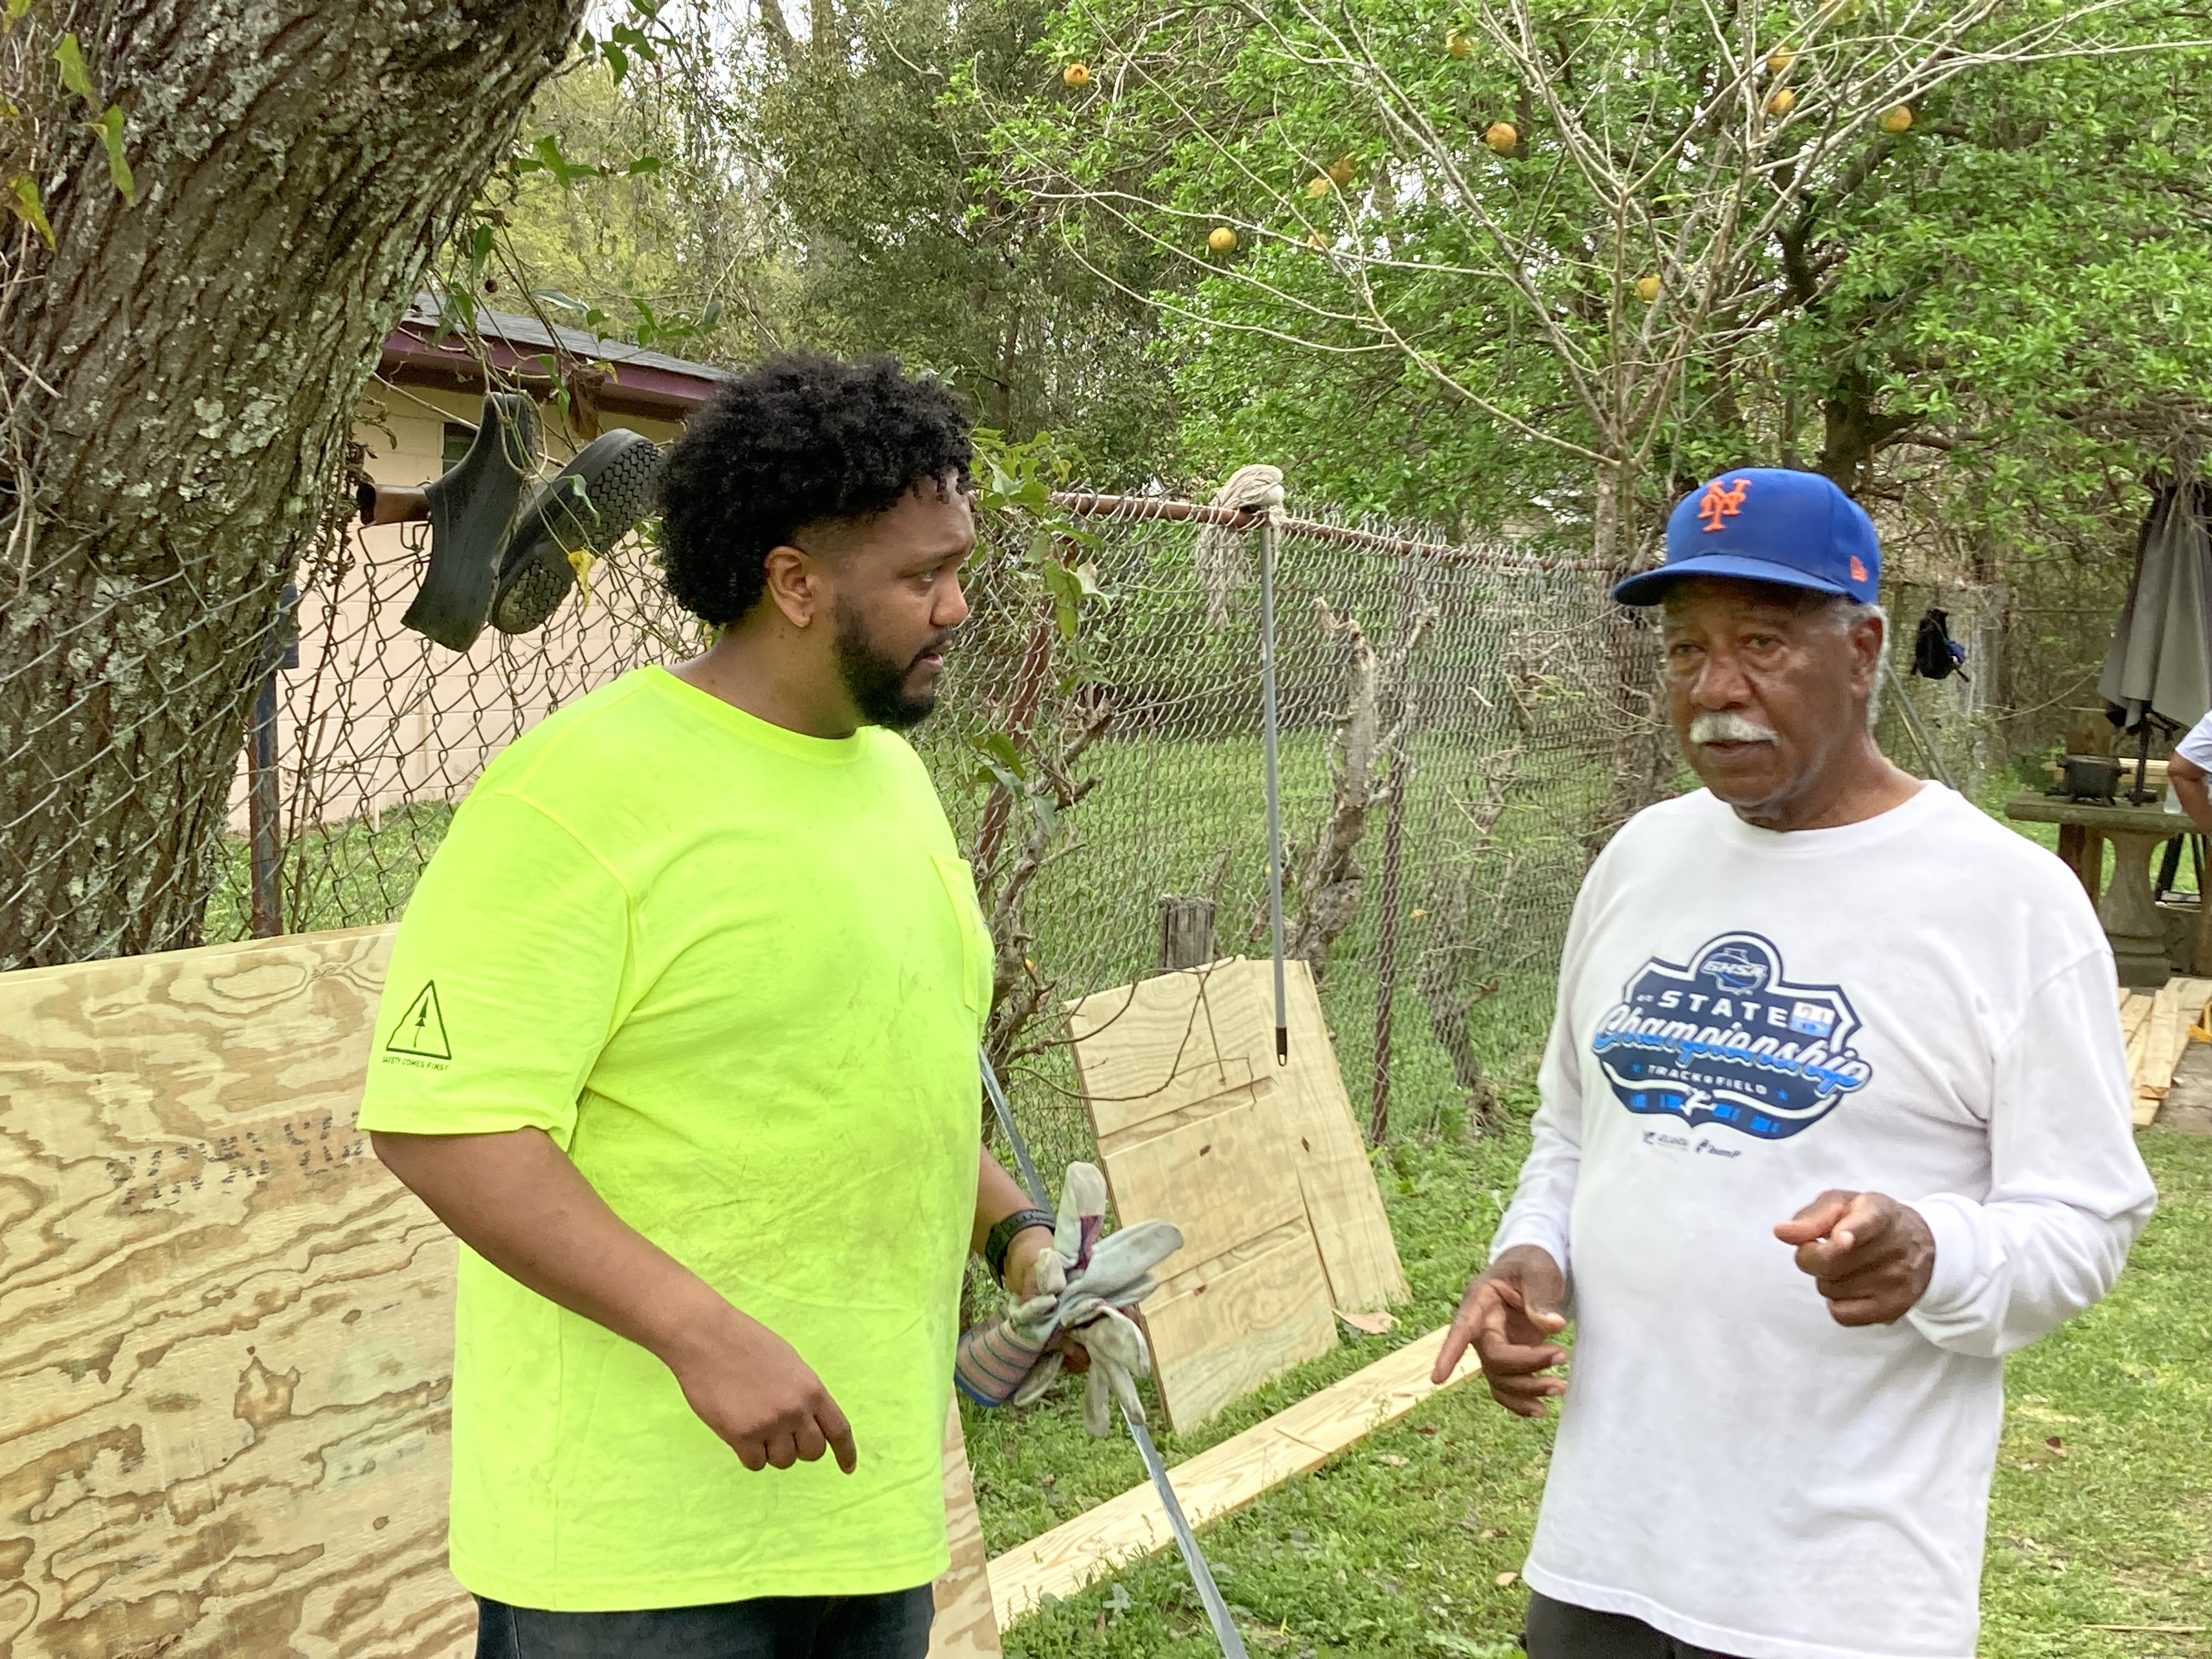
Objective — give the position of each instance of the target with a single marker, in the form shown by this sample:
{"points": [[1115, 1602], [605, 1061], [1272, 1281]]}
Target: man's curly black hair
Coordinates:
{"points": [[801, 439]]}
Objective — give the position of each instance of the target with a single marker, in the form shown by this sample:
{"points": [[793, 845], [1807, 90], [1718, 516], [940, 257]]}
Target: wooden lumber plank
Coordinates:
{"points": [[965, 1627], [1343, 1202], [2134, 1011], [1145, 1050], [2163, 1035], [1223, 1180], [226, 1333], [1230, 1327], [1228, 1476]]}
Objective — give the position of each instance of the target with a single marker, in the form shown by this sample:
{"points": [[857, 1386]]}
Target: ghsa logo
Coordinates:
{"points": [[1729, 1039]]}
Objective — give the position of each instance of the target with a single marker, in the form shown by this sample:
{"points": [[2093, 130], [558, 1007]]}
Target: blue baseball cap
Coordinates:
{"points": [[1766, 524]]}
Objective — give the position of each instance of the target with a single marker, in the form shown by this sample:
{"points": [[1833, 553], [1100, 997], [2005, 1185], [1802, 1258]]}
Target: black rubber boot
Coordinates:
{"points": [[588, 505], [472, 509]]}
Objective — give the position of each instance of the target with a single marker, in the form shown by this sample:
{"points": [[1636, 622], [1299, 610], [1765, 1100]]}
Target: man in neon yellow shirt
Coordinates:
{"points": [[680, 1039]]}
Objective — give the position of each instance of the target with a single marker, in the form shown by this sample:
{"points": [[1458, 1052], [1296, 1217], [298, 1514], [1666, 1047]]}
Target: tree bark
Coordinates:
{"points": [[186, 372]]}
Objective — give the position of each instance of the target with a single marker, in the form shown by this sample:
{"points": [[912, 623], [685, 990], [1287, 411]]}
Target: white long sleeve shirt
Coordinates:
{"points": [[1920, 1005]]}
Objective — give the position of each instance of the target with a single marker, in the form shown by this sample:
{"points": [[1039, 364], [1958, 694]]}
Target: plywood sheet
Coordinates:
{"points": [[1216, 1481], [1219, 1331], [1329, 1152], [1223, 1180], [966, 1627], [1145, 1050], [225, 1331]]}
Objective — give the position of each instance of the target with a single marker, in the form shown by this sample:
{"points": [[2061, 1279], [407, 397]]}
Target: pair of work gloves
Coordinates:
{"points": [[1083, 1287]]}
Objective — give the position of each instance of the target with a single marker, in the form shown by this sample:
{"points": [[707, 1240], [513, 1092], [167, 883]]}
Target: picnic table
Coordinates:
{"points": [[2128, 908]]}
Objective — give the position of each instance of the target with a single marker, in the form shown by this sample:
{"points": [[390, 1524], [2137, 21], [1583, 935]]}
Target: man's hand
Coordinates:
{"points": [[1871, 1256], [750, 1386], [1510, 1314], [1022, 1256]]}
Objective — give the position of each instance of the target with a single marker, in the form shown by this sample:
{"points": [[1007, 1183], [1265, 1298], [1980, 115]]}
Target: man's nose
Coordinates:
{"points": [[952, 607], [1719, 682]]}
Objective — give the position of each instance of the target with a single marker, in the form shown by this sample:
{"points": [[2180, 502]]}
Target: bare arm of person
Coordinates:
{"points": [[516, 1200], [998, 1195], [2187, 779]]}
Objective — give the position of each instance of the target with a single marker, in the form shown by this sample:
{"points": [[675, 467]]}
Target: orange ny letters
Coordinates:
{"points": [[1717, 503]]}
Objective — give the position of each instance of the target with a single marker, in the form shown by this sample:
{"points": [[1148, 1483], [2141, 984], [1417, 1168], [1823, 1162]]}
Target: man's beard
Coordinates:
{"points": [[877, 682]]}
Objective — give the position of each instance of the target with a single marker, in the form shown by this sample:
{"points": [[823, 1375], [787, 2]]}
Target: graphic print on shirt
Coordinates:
{"points": [[1729, 1039]]}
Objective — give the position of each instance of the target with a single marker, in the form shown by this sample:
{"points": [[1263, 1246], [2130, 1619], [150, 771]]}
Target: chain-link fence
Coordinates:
{"points": [[1450, 724]]}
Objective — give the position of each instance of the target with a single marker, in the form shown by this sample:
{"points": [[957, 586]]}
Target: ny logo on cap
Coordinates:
{"points": [[1717, 503]]}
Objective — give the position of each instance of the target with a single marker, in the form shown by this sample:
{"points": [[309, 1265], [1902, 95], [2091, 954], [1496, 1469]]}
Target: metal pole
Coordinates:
{"points": [[1269, 730], [261, 804], [1912, 720], [1201, 1576]]}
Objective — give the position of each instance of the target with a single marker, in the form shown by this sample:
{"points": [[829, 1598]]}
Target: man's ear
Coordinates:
{"points": [[1870, 638], [794, 586]]}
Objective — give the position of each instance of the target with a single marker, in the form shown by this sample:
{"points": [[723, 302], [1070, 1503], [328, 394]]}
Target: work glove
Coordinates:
{"points": [[1083, 1287]]}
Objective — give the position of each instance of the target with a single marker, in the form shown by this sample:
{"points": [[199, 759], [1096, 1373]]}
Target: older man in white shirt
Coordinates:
{"points": [[1834, 1115]]}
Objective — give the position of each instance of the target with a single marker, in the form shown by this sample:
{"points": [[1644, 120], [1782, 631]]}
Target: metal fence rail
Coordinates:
{"points": [[1450, 718]]}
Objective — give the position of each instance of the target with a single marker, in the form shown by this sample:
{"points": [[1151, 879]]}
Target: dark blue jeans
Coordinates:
{"points": [[893, 1626]]}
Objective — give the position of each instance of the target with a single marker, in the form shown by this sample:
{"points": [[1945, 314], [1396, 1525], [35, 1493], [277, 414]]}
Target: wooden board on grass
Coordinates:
{"points": [[226, 1332], [1220, 1330], [1170, 1042], [1343, 1203], [965, 1627], [1227, 1476]]}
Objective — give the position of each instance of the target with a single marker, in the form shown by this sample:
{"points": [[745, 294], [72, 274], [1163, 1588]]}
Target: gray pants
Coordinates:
{"points": [[1560, 1631], [893, 1626]]}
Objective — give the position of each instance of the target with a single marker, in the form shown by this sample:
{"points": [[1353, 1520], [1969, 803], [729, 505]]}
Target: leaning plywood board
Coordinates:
{"points": [[1220, 1330], [226, 1333], [1168, 1043], [1231, 1474], [1330, 1153], [965, 1627], [1172, 1071]]}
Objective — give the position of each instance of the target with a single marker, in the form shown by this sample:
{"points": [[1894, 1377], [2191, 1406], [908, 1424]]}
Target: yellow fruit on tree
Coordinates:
{"points": [[1782, 102], [1221, 239], [1457, 44], [1341, 170], [1647, 288], [1075, 75], [1896, 121], [1318, 240], [1501, 137], [1779, 60], [1319, 185]]}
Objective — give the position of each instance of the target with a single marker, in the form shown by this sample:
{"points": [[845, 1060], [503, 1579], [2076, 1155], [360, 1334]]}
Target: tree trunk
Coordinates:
{"points": [[1637, 746], [188, 370]]}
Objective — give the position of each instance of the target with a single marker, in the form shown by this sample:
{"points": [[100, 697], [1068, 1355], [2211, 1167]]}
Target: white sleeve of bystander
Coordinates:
{"points": [[2067, 1189], [1542, 1209]]}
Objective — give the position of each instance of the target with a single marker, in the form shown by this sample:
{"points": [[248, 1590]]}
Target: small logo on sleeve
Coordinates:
{"points": [[422, 1030]]}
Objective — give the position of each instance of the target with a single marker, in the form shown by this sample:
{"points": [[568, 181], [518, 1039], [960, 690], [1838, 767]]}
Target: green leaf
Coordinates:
{"points": [[110, 128], [618, 60], [28, 207], [644, 164], [711, 316], [1066, 591], [75, 76], [15, 13]]}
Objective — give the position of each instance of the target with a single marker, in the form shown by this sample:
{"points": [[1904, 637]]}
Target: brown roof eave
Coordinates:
{"points": [[408, 359]]}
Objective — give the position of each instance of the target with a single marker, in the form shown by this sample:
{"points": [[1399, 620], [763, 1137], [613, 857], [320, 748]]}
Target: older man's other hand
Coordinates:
{"points": [[1871, 1256], [1508, 1315]]}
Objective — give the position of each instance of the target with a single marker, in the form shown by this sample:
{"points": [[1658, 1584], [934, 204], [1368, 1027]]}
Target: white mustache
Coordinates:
{"points": [[1723, 727]]}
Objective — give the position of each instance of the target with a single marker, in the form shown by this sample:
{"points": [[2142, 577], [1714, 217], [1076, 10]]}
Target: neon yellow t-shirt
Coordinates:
{"points": [[739, 974]]}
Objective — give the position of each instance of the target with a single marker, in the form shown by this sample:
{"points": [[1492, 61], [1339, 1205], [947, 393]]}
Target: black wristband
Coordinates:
{"points": [[1000, 1238]]}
